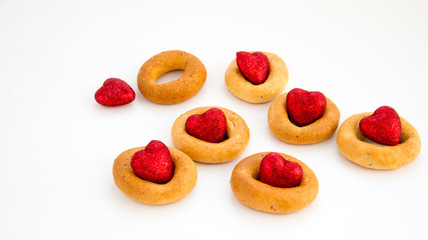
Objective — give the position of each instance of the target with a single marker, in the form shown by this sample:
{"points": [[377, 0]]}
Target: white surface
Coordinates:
{"points": [[58, 145]]}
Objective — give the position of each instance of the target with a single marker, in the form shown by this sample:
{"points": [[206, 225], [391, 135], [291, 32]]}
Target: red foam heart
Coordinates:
{"points": [[154, 163], [114, 92], [254, 66], [304, 107], [278, 172], [210, 126], [383, 126]]}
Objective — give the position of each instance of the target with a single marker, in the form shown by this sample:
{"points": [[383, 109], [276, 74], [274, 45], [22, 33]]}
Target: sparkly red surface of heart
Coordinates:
{"points": [[278, 172], [210, 126], [114, 92], [383, 126], [154, 163], [254, 66], [304, 107]]}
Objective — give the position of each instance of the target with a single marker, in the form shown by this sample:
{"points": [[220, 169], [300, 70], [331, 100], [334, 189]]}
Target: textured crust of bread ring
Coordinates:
{"points": [[176, 91], [181, 184], [206, 152], [258, 195], [370, 155], [284, 130], [265, 92]]}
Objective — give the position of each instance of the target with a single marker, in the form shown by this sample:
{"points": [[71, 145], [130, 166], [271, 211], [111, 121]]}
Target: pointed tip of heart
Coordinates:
{"points": [[278, 172], [114, 92], [383, 126], [253, 66], [210, 126], [305, 107], [154, 163]]}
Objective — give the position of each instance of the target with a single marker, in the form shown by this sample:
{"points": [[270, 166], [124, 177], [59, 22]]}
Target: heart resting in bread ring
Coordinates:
{"points": [[175, 91], [181, 184], [281, 126], [258, 195], [265, 92], [238, 136], [370, 155]]}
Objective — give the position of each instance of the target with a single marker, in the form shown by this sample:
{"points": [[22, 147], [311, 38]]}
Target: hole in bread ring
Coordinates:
{"points": [[181, 184], [255, 194], [282, 128], [353, 147], [265, 92], [206, 152], [176, 91]]}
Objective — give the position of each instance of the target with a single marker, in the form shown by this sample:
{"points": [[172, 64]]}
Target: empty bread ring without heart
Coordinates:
{"points": [[176, 91], [370, 155], [255, 194], [181, 184], [281, 126], [265, 92], [238, 136]]}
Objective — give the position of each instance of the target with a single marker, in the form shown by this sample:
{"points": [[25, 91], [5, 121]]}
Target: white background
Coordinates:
{"points": [[58, 145]]}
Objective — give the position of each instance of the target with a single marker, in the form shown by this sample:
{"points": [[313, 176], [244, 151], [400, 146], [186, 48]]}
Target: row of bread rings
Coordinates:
{"points": [[195, 74], [349, 141]]}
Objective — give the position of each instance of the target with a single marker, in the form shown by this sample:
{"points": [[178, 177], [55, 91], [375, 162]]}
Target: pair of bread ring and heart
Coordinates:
{"points": [[298, 117]]}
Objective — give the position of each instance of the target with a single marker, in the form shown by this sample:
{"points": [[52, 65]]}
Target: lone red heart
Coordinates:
{"points": [[278, 172], [210, 126], [383, 126], [253, 66], [304, 107], [154, 163], [114, 92]]}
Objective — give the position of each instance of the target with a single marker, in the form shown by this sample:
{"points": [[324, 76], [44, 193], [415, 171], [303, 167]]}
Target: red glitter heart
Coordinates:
{"points": [[254, 66], [304, 107], [383, 126], [210, 126], [278, 172], [114, 92], [154, 163]]}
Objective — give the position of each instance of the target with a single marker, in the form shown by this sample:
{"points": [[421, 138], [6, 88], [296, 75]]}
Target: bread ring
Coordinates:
{"points": [[174, 91], [369, 155], [206, 152], [258, 195], [265, 92], [182, 182], [284, 130]]}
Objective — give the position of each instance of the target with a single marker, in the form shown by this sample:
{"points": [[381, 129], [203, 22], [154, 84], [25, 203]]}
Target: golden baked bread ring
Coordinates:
{"points": [[258, 195], [265, 92], [182, 182], [284, 130], [370, 155], [174, 91], [206, 152]]}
